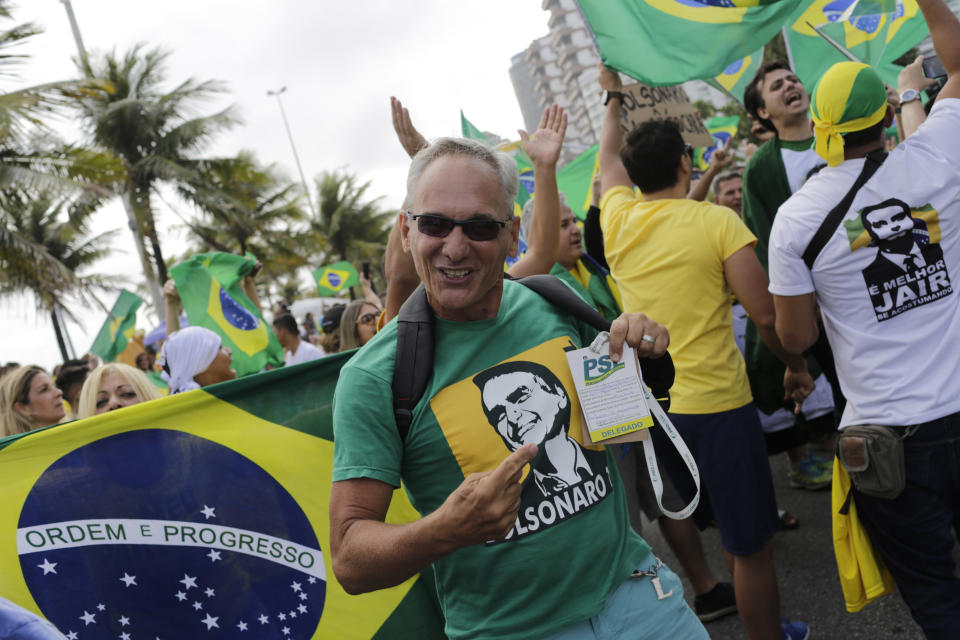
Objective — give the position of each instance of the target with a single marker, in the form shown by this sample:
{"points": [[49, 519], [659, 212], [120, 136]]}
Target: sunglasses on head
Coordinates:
{"points": [[477, 229]]}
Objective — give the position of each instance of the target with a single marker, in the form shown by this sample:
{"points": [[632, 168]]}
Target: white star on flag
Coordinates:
{"points": [[295, 586], [208, 512], [311, 580], [88, 618], [128, 579], [181, 596], [242, 625], [188, 582], [211, 622], [197, 606], [72, 635], [302, 608], [47, 566], [303, 595], [124, 621], [101, 607], [209, 592], [124, 636], [263, 619], [286, 631], [282, 616], [214, 555]]}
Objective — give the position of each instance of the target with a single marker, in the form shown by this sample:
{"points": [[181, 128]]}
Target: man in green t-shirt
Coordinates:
{"points": [[777, 99], [517, 551]]}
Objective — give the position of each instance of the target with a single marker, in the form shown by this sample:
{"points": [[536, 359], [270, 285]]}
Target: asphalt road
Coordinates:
{"points": [[806, 572]]}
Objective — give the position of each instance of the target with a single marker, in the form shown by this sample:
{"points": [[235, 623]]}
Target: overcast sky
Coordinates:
{"points": [[340, 62]]}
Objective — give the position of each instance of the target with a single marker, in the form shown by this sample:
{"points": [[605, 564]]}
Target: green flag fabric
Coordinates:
{"points": [[665, 42], [576, 181], [117, 329], [738, 74], [722, 129], [209, 288], [203, 513], [876, 32], [335, 278], [513, 149]]}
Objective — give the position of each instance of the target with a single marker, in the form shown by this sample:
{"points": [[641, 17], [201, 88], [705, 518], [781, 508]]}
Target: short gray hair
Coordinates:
{"points": [[527, 217], [723, 177], [502, 164]]}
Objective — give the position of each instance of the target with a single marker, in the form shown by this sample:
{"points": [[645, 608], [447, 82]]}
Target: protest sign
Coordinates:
{"points": [[642, 103]]}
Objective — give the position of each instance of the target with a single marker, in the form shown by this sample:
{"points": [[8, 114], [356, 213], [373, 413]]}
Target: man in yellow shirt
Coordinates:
{"points": [[680, 260]]}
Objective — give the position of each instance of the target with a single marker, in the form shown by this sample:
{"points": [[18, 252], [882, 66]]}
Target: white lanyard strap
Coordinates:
{"points": [[654, 470]]}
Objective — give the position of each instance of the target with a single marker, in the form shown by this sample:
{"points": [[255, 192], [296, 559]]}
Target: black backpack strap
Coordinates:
{"points": [[829, 225], [414, 360], [658, 373]]}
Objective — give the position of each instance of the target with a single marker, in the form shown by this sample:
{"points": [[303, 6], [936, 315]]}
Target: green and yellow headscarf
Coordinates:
{"points": [[849, 97]]}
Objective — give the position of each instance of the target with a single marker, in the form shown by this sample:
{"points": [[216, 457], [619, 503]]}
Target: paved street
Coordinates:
{"points": [[807, 573]]}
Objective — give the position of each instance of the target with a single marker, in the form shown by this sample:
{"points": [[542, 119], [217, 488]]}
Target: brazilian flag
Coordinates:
{"points": [[734, 79], [514, 150], [336, 277], [209, 288], [665, 42], [876, 32], [198, 515], [576, 181], [722, 129], [118, 328]]}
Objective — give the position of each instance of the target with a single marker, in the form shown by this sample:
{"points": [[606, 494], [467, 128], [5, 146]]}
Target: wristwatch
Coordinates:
{"points": [[908, 96], [613, 94]]}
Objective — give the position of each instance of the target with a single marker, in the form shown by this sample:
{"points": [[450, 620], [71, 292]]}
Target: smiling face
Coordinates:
{"points": [[115, 393], [44, 405], [463, 277], [784, 98], [571, 242], [522, 408]]}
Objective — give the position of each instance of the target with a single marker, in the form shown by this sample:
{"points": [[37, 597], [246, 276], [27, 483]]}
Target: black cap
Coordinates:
{"points": [[331, 318]]}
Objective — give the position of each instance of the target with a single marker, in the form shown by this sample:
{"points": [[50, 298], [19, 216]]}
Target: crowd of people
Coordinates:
{"points": [[791, 298]]}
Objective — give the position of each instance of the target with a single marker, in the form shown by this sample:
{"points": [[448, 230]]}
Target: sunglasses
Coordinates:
{"points": [[368, 318], [477, 229]]}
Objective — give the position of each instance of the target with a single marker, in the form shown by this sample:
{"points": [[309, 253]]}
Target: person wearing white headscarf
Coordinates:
{"points": [[195, 357]]}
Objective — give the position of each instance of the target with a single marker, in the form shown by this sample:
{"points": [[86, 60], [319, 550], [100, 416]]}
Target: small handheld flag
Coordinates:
{"points": [[118, 327], [336, 277]]}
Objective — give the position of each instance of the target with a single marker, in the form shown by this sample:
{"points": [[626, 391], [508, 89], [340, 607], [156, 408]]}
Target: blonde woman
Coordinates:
{"points": [[358, 324], [29, 400], [114, 386]]}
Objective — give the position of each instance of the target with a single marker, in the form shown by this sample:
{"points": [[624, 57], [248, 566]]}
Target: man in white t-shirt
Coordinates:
{"points": [[295, 350], [894, 324]]}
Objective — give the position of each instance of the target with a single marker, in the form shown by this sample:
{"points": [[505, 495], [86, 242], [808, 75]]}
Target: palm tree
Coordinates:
{"points": [[153, 133], [56, 227], [248, 207], [351, 228]]}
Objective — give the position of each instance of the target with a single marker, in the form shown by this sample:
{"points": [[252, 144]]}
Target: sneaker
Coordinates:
{"points": [[794, 630], [810, 476], [716, 603]]}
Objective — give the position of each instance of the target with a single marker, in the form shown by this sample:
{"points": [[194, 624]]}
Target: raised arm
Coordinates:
{"points": [[720, 160], [543, 147], [911, 115], [399, 271], [945, 33], [171, 311], [369, 554], [612, 171], [409, 137]]}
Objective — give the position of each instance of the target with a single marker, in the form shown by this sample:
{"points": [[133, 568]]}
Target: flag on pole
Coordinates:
{"points": [[335, 278], [203, 513], [209, 288], [576, 181], [875, 32], [722, 129], [738, 74], [664, 42], [118, 328]]}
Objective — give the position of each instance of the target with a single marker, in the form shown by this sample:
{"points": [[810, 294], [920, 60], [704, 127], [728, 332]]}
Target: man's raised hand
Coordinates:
{"points": [[545, 144], [409, 137], [484, 507]]}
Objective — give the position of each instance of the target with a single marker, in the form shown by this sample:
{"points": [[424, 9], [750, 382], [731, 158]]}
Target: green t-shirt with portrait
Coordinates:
{"points": [[497, 385]]}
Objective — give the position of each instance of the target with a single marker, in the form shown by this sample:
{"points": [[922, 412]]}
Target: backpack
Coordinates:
{"points": [[415, 340]]}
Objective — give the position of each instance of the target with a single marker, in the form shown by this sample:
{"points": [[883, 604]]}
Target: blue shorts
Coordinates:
{"points": [[636, 610], [736, 489]]}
